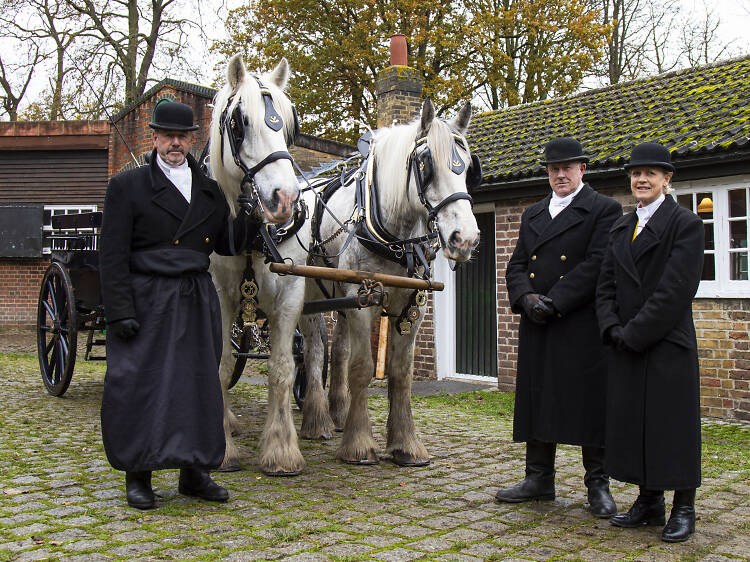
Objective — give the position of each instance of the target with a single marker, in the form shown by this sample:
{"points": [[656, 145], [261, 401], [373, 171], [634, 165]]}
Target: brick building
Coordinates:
{"points": [[703, 116]]}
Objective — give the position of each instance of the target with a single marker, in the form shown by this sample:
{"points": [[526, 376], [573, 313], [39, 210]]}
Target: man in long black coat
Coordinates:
{"points": [[561, 377], [162, 404]]}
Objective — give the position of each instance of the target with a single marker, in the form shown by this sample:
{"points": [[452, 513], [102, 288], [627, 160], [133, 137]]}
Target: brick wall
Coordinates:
{"points": [[20, 281], [724, 356], [399, 94]]}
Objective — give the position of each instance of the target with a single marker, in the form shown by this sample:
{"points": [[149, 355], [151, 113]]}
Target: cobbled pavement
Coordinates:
{"points": [[60, 499]]}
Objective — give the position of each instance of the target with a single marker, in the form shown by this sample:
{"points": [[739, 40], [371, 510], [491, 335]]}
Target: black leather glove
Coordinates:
{"points": [[617, 339], [247, 203], [124, 329], [537, 307]]}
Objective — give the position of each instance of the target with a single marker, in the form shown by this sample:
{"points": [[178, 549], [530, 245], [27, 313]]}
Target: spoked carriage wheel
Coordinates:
{"points": [[243, 338], [299, 388], [57, 329]]}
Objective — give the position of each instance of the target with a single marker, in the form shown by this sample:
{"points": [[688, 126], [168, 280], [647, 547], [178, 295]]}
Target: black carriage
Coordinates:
{"points": [[70, 304]]}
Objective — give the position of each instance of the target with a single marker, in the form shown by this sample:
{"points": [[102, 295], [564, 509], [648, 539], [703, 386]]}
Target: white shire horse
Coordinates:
{"points": [[417, 176], [253, 122]]}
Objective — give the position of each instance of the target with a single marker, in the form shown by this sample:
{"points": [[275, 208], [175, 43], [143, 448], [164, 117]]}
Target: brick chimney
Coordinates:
{"points": [[398, 87]]}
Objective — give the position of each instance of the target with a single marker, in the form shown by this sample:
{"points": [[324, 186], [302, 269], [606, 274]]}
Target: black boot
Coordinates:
{"points": [[681, 522], [596, 480], [138, 490], [648, 509], [539, 483], [197, 482]]}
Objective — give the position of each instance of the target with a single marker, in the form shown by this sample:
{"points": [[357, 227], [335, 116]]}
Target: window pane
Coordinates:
{"points": [[709, 269], [686, 201], [738, 234], [737, 202], [709, 230], [705, 205], [738, 266]]}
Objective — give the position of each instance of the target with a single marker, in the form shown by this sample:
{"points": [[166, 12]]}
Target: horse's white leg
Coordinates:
{"points": [[316, 423], [280, 454], [402, 441], [225, 275], [338, 389], [358, 445]]}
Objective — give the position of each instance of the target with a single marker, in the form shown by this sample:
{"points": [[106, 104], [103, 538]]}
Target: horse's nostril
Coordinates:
{"points": [[275, 198], [455, 238]]}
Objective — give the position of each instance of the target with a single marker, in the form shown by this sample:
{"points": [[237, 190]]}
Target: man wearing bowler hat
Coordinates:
{"points": [[162, 404], [561, 373]]}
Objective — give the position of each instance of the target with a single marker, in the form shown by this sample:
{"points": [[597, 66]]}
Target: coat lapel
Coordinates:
{"points": [[652, 233], [622, 235], [166, 195], [572, 215], [539, 218], [202, 204]]}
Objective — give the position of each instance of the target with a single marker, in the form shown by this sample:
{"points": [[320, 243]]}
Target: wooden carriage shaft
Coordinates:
{"points": [[352, 276]]}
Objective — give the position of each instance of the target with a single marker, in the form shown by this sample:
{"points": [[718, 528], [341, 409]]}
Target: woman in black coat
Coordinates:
{"points": [[649, 277]]}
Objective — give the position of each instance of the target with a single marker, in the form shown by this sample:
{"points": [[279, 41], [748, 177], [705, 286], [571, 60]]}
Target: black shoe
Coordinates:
{"points": [[601, 503], [138, 490], [530, 488], [539, 483], [198, 483], [648, 509], [681, 522]]}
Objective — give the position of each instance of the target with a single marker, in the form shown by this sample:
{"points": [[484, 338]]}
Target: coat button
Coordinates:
{"points": [[563, 258], [207, 239], [531, 275], [177, 242], [533, 258], [562, 276]]}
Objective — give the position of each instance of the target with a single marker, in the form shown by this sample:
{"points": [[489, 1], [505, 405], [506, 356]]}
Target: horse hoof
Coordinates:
{"points": [[361, 462], [233, 466], [325, 436], [281, 473], [403, 459], [339, 429]]}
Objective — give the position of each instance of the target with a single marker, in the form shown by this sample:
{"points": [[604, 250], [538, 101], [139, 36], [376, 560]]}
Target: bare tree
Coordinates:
{"points": [[701, 43], [15, 79]]}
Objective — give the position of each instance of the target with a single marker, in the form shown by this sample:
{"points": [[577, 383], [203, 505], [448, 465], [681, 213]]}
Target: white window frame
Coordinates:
{"points": [[56, 210], [722, 287]]}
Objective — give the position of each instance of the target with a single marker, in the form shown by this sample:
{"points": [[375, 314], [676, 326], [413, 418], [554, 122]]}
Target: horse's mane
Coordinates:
{"points": [[392, 148], [247, 93]]}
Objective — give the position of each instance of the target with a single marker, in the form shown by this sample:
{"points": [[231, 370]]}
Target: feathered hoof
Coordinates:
{"points": [[230, 465], [369, 459], [281, 473], [401, 458], [315, 436]]}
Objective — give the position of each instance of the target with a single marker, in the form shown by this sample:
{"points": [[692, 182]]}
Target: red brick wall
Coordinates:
{"points": [[724, 355], [20, 281]]}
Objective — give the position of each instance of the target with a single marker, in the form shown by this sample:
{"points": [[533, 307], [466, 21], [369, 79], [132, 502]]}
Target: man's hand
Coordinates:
{"points": [[537, 307], [124, 329], [617, 339]]}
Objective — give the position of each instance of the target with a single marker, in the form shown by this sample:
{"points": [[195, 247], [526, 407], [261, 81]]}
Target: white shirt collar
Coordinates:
{"points": [[646, 212], [565, 201], [180, 176]]}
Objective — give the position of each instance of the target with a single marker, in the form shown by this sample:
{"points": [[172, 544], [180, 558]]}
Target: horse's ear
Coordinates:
{"points": [[280, 74], [235, 72], [461, 121], [428, 114]]}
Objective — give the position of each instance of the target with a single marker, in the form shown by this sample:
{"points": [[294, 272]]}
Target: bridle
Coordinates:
{"points": [[234, 125]]}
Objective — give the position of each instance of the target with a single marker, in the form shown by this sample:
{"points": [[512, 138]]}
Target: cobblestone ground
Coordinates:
{"points": [[61, 500]]}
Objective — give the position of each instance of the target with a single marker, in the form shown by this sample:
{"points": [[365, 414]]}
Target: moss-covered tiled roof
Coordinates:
{"points": [[694, 112]]}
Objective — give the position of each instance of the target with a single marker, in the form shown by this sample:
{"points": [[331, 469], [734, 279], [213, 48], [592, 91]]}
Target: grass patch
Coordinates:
{"points": [[284, 535], [726, 448], [486, 402]]}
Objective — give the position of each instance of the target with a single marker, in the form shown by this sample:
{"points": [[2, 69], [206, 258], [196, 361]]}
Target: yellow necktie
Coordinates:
{"points": [[635, 232]]}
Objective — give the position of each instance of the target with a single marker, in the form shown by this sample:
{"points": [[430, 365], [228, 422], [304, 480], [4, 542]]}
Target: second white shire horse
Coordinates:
{"points": [[413, 194]]}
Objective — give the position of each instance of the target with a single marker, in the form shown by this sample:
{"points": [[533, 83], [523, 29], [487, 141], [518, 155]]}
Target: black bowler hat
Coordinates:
{"points": [[173, 116], [650, 154], [563, 149]]}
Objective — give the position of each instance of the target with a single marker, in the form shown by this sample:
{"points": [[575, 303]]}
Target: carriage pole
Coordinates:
{"points": [[352, 276]]}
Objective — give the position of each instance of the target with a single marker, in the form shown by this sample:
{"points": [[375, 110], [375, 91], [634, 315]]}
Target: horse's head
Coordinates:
{"points": [[442, 169], [253, 122]]}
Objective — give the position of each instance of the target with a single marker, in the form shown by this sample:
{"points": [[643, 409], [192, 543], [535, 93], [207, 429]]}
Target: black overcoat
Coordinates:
{"points": [[647, 287], [162, 405], [561, 375]]}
